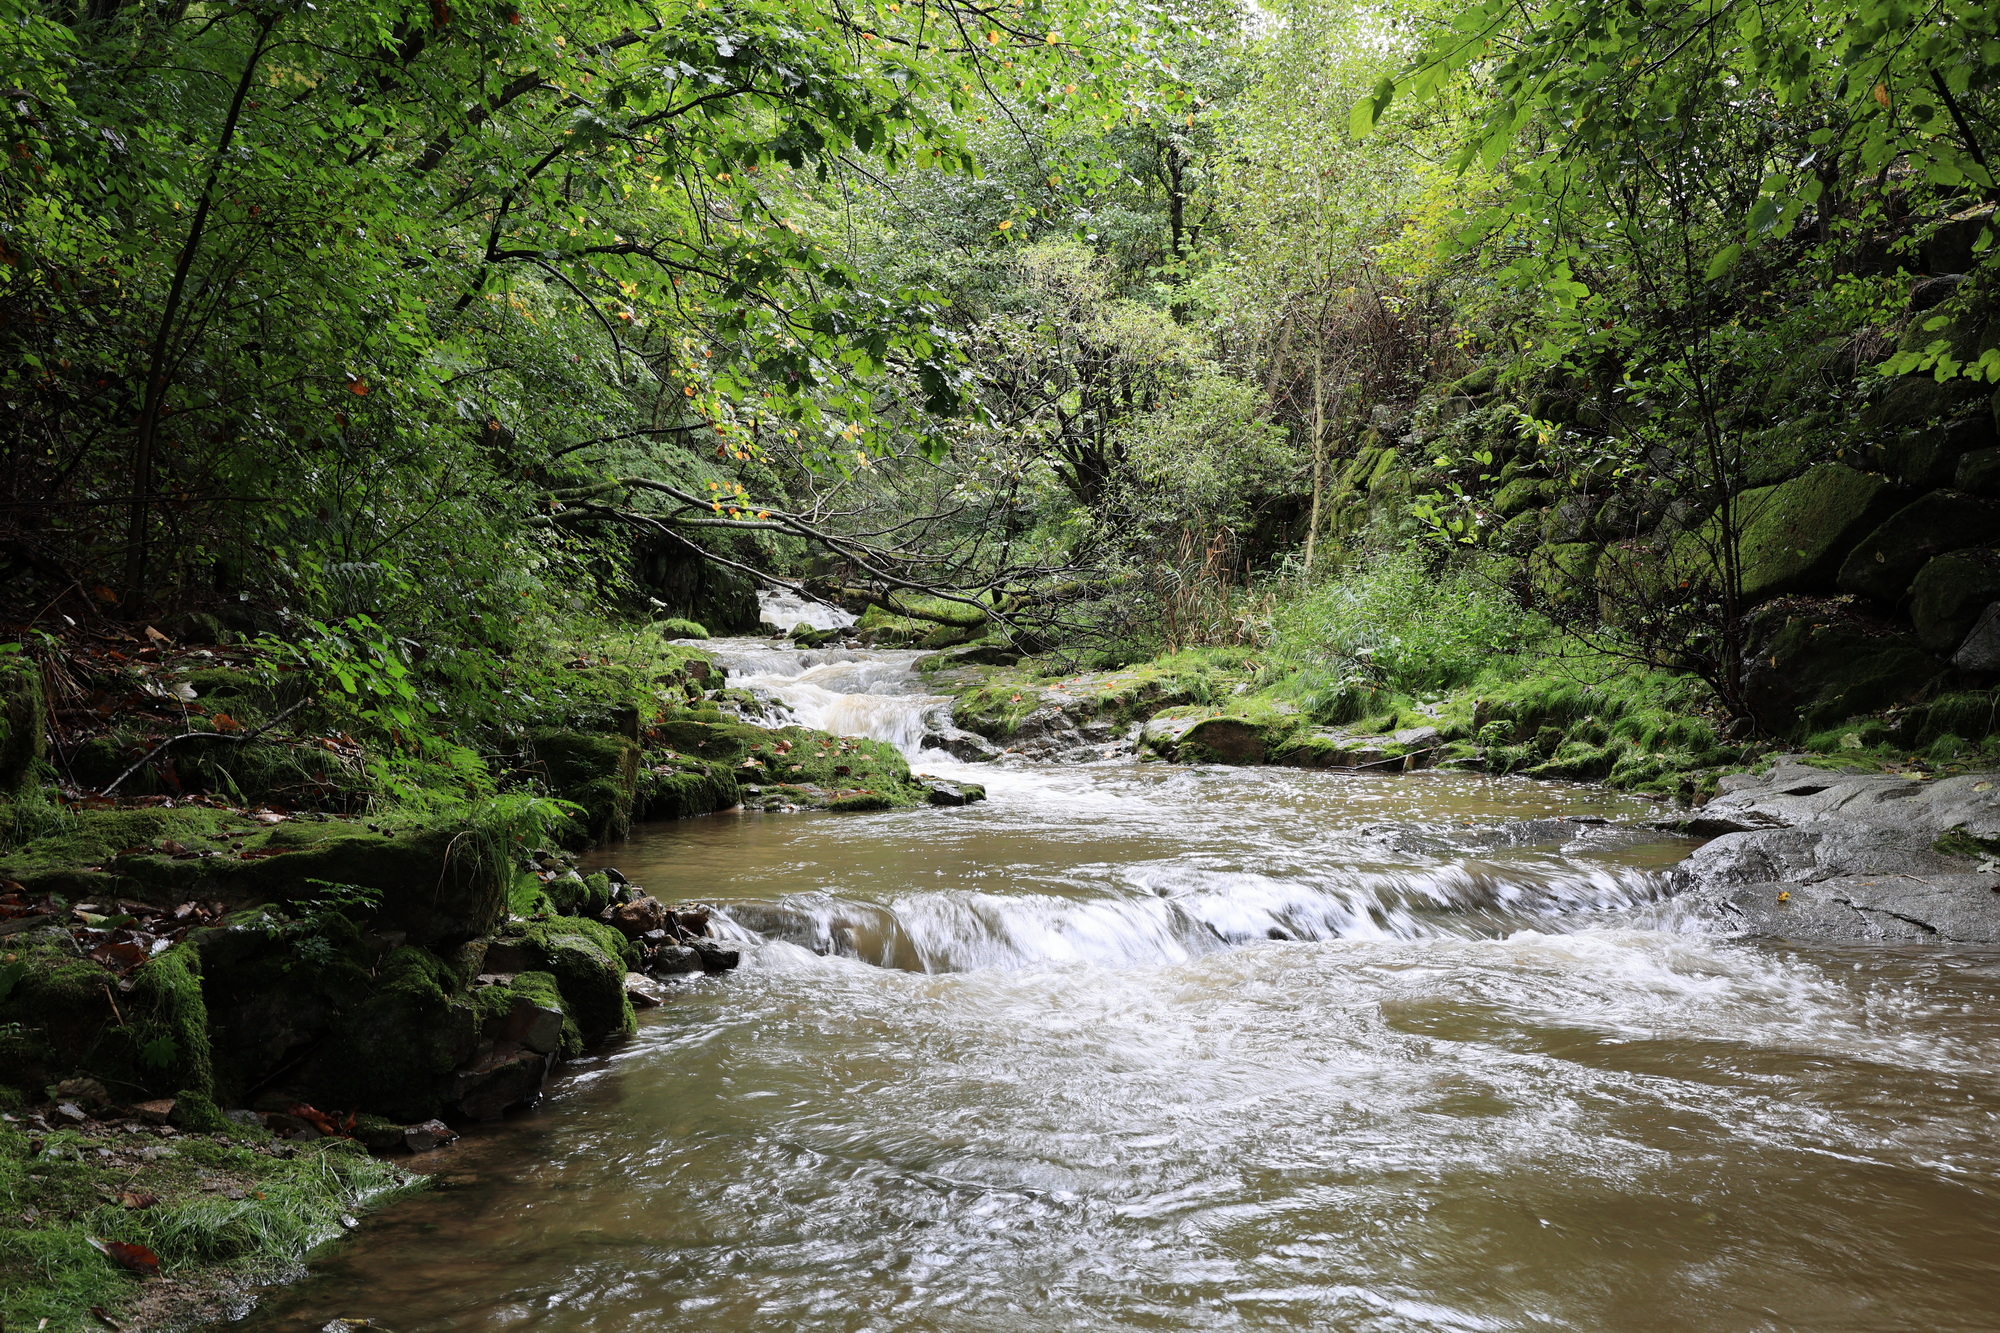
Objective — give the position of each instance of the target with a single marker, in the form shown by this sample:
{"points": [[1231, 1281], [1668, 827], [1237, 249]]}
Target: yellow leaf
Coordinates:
{"points": [[1882, 93]]}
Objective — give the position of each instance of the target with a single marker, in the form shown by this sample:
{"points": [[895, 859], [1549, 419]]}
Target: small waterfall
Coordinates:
{"points": [[782, 610], [872, 693], [1180, 914]]}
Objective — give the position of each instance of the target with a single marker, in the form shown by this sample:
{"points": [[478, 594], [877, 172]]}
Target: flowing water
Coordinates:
{"points": [[1140, 1047]]}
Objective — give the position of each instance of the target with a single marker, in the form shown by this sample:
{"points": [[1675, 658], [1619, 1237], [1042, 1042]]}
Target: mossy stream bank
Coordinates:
{"points": [[226, 1018]]}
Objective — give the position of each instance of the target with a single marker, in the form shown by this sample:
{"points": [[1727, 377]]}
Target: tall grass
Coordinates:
{"points": [[1391, 619]]}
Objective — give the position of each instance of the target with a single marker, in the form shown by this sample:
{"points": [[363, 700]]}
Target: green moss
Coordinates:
{"points": [[1793, 536], [595, 770], [676, 628], [793, 755], [1959, 842], [393, 1053], [540, 988], [23, 741], [574, 895], [74, 1021], [60, 1189], [1949, 594], [588, 961], [680, 786]]}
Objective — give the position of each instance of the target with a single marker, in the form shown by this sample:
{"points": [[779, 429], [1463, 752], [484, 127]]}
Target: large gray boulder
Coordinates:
{"points": [[1817, 856]]}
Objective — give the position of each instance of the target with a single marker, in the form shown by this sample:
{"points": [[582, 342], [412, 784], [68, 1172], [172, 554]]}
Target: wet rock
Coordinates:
{"points": [[633, 919], [715, 958], [538, 1027], [673, 960], [511, 1076], [1981, 649], [964, 746], [426, 1135], [1860, 857], [1884, 909], [643, 991], [940, 792]]}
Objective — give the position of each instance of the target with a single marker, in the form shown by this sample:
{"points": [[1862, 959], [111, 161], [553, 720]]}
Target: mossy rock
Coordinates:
{"points": [[1949, 593], [588, 961], [1916, 400], [23, 739], [1518, 495], [1479, 382], [1793, 536], [674, 627], [393, 1054], [680, 788], [73, 1021], [1813, 671], [579, 895], [1927, 456], [1978, 473], [597, 771], [1564, 572], [796, 755], [1234, 740], [1886, 561]]}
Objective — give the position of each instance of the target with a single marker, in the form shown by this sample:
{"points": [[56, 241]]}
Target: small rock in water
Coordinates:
{"points": [[424, 1137], [673, 960], [635, 918], [715, 958], [643, 991]]}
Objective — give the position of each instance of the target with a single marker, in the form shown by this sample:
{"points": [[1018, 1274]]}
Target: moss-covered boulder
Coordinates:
{"points": [[1564, 572], [394, 1053], [1978, 473], [66, 1016], [795, 756], [1519, 495], [1815, 667], [1927, 456], [588, 961], [679, 787], [1794, 535], [1949, 594], [599, 771], [1232, 740], [23, 738], [1885, 562]]}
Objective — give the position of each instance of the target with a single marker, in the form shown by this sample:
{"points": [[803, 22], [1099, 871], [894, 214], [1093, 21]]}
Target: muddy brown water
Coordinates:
{"points": [[1132, 1047], [1142, 1047]]}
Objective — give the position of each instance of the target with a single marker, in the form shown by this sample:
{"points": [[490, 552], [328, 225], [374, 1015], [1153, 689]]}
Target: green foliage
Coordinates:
{"points": [[1389, 618]]}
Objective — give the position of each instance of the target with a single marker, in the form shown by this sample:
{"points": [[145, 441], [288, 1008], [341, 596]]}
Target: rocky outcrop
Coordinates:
{"points": [[1806, 854]]}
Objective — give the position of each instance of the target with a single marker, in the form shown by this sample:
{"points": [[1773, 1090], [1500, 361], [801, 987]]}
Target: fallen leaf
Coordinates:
{"points": [[134, 1258], [138, 1199], [224, 722]]}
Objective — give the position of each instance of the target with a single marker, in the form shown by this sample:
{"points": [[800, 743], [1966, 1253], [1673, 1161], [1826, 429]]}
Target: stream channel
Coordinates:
{"points": [[1137, 1046]]}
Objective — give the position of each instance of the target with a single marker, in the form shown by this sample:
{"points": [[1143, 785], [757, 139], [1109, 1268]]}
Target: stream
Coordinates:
{"points": [[1138, 1046]]}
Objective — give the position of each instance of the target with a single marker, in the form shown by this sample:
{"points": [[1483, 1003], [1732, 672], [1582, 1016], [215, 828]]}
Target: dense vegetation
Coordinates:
{"points": [[418, 342], [389, 395]]}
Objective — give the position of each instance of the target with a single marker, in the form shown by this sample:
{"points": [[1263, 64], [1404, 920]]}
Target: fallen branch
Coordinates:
{"points": [[154, 753]]}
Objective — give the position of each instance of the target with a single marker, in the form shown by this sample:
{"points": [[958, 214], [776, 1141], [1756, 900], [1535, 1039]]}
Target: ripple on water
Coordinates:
{"points": [[1038, 1064]]}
